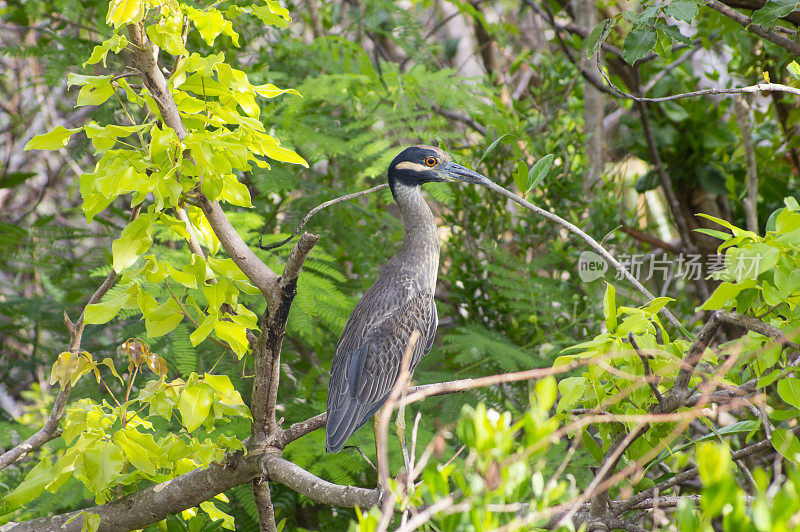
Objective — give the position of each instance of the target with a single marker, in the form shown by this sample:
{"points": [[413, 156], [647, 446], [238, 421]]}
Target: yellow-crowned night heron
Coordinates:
{"points": [[368, 356]]}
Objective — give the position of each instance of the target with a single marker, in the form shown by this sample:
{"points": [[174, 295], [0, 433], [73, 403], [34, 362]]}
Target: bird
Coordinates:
{"points": [[368, 356]]}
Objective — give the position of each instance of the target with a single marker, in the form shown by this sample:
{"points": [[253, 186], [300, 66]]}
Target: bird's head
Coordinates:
{"points": [[425, 164]]}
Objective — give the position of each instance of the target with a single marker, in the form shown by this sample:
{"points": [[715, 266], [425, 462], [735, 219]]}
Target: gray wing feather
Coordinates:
{"points": [[370, 351]]}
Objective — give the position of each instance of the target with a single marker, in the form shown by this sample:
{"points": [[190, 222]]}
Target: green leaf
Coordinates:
{"points": [[121, 12], [789, 391], [591, 445], [794, 70], [101, 465], [571, 390], [714, 233], [136, 238], [268, 90], [491, 148], [54, 140], [787, 444], [539, 171], [724, 293], [114, 44], [638, 44], [91, 521], [33, 485], [94, 89], [203, 330], [234, 334], [211, 23], [772, 11], [598, 35], [610, 308], [194, 404], [16, 178], [140, 449], [521, 175], [271, 14], [655, 306], [684, 10], [103, 312]]}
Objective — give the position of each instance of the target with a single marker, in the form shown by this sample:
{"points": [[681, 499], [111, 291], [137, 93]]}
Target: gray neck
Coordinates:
{"points": [[421, 246]]}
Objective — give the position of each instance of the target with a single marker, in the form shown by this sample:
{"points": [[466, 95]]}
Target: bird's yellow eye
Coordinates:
{"points": [[430, 161]]}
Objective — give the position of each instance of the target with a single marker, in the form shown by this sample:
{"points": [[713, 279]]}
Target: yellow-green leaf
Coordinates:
{"points": [[123, 11], [194, 404], [610, 308], [135, 239], [54, 140]]}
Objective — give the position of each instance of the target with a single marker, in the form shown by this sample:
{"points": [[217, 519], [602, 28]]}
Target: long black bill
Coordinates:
{"points": [[459, 173]]}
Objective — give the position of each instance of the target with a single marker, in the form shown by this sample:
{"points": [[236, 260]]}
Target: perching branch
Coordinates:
{"points": [[155, 503]]}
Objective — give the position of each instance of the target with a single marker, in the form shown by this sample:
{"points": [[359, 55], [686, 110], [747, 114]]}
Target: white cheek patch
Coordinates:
{"points": [[408, 165]]}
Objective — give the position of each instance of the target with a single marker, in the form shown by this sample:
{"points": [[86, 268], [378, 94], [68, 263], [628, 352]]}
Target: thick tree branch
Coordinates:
{"points": [[300, 480], [263, 500], [761, 31], [155, 503], [256, 271], [266, 352]]}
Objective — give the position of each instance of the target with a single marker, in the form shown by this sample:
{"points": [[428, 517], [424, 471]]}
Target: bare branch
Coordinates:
{"points": [[751, 89], [263, 500], [459, 117], [300, 480], [592, 243], [649, 239], [256, 271], [743, 121], [647, 373], [383, 428], [318, 208], [694, 355], [758, 326], [761, 31], [155, 503]]}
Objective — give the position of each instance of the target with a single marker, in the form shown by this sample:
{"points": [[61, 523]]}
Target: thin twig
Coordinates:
{"points": [[383, 428], [743, 121], [315, 210], [646, 364]]}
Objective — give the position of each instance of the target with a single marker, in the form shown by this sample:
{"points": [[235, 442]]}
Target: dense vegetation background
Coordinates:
{"points": [[628, 423]]}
